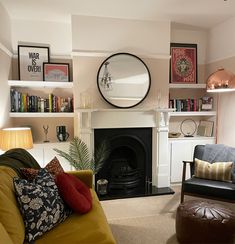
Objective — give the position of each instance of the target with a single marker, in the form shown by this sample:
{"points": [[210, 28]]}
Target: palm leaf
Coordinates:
{"points": [[101, 155], [79, 157]]}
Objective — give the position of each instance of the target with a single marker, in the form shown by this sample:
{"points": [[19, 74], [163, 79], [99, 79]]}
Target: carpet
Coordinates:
{"points": [[144, 219]]}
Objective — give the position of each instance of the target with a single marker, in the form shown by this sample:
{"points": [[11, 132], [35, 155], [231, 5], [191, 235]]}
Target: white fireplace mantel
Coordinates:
{"points": [[157, 119]]}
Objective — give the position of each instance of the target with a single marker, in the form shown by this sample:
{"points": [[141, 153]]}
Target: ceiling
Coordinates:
{"points": [[198, 13]]}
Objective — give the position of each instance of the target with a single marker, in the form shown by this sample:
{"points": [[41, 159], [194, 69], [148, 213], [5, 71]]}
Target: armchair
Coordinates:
{"points": [[213, 189]]}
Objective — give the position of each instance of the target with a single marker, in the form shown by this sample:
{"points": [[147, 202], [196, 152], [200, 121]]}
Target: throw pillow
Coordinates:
{"points": [[74, 192], [221, 171], [54, 167], [40, 204]]}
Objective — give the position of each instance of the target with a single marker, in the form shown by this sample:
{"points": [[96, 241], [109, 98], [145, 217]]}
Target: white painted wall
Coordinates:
{"points": [[5, 67], [5, 28], [111, 34], [221, 53], [221, 41], [56, 34], [198, 37]]}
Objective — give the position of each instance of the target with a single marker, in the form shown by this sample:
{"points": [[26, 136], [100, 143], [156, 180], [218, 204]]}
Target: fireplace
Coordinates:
{"points": [[129, 166], [131, 133]]}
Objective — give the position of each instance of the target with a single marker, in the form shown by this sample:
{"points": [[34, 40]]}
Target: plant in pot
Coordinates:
{"points": [[80, 158]]}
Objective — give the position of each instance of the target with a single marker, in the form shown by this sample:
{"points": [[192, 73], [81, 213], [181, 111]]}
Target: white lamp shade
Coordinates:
{"points": [[20, 137]]}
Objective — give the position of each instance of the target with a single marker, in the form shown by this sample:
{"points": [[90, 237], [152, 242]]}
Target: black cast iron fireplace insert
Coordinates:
{"points": [[128, 169]]}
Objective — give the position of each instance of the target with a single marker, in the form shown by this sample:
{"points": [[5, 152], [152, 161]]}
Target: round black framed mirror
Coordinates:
{"points": [[123, 80]]}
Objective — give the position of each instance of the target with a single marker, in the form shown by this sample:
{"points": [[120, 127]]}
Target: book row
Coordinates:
{"points": [[23, 102], [191, 104]]}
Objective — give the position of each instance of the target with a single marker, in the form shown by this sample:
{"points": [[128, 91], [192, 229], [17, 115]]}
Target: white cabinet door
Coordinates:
{"points": [[183, 150], [44, 153], [49, 154], [180, 150]]}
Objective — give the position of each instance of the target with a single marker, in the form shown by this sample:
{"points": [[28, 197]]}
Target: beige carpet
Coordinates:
{"points": [[145, 220]]}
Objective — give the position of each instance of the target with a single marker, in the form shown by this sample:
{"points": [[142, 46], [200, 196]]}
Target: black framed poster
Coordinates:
{"points": [[30, 62]]}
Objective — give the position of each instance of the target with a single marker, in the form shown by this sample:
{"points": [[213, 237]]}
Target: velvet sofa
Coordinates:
{"points": [[88, 228]]}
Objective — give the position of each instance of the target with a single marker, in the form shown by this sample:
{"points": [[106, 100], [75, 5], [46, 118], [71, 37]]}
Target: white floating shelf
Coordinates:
{"points": [[187, 86], [193, 113], [38, 84], [182, 138], [42, 115]]}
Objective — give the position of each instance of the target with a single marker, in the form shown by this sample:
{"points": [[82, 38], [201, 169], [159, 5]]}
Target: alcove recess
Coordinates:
{"points": [[41, 88]]}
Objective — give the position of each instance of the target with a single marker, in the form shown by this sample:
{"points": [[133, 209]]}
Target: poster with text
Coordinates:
{"points": [[30, 61]]}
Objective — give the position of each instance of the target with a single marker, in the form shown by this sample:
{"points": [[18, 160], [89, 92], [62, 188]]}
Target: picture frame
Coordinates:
{"points": [[205, 128], [56, 72], [30, 62], [183, 63]]}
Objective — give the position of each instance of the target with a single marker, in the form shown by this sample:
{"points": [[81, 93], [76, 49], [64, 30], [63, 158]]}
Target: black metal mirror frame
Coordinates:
{"points": [[123, 53]]}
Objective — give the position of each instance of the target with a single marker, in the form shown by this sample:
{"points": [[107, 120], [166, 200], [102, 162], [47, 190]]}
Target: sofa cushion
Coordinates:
{"points": [[74, 192], [5, 238], [221, 171], [54, 167], [86, 228], [10, 215], [41, 206], [213, 188]]}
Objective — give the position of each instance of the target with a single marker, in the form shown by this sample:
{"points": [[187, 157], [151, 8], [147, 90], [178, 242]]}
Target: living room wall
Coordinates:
{"points": [[5, 67], [222, 54], [96, 38]]}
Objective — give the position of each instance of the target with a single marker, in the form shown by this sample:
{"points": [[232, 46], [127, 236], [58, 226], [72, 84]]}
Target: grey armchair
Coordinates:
{"points": [[219, 190]]}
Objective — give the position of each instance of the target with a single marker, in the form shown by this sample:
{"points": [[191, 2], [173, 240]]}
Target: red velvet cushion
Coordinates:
{"points": [[74, 192]]}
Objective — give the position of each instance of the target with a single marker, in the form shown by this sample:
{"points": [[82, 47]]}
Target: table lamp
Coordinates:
{"points": [[18, 137]]}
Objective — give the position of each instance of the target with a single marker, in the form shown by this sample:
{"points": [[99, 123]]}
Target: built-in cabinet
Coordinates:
{"points": [[183, 149], [44, 153]]}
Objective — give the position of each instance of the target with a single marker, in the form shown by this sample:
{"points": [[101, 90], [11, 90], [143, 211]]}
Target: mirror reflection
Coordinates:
{"points": [[123, 80]]}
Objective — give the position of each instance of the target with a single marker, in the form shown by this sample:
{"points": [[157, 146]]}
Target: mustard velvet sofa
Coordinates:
{"points": [[89, 228]]}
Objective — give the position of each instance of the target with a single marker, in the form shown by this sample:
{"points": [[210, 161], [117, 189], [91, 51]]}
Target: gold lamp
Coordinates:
{"points": [[221, 81], [18, 137]]}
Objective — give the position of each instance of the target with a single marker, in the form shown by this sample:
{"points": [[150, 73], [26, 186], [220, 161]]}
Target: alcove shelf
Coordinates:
{"points": [[187, 86], [41, 115], [193, 113], [40, 84]]}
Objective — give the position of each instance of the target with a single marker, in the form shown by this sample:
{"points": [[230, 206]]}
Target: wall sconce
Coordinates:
{"points": [[20, 137], [221, 81], [106, 80]]}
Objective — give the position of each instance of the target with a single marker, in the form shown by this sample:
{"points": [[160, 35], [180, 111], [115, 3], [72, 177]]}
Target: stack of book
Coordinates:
{"points": [[191, 104], [23, 102]]}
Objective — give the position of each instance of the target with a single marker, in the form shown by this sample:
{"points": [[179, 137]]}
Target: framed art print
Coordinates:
{"points": [[30, 62], [56, 72], [183, 65]]}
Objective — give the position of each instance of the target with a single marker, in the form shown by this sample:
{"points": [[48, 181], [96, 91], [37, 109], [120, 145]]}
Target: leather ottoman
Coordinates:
{"points": [[200, 221]]}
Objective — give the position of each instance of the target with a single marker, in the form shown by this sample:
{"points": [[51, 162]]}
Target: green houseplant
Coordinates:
{"points": [[80, 158]]}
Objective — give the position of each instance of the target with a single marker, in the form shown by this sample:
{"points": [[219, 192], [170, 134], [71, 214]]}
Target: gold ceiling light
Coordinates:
{"points": [[221, 81]]}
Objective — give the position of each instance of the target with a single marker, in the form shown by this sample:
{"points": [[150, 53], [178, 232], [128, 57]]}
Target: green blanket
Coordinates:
{"points": [[18, 158]]}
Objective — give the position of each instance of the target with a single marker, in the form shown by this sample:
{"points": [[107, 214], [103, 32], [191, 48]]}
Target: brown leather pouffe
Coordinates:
{"points": [[203, 222]]}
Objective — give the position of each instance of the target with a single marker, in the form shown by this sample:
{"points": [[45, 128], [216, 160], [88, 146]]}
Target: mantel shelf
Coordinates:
{"points": [[41, 115], [124, 110], [38, 84]]}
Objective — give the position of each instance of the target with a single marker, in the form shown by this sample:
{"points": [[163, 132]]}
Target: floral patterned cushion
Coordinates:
{"points": [[53, 167], [40, 204]]}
